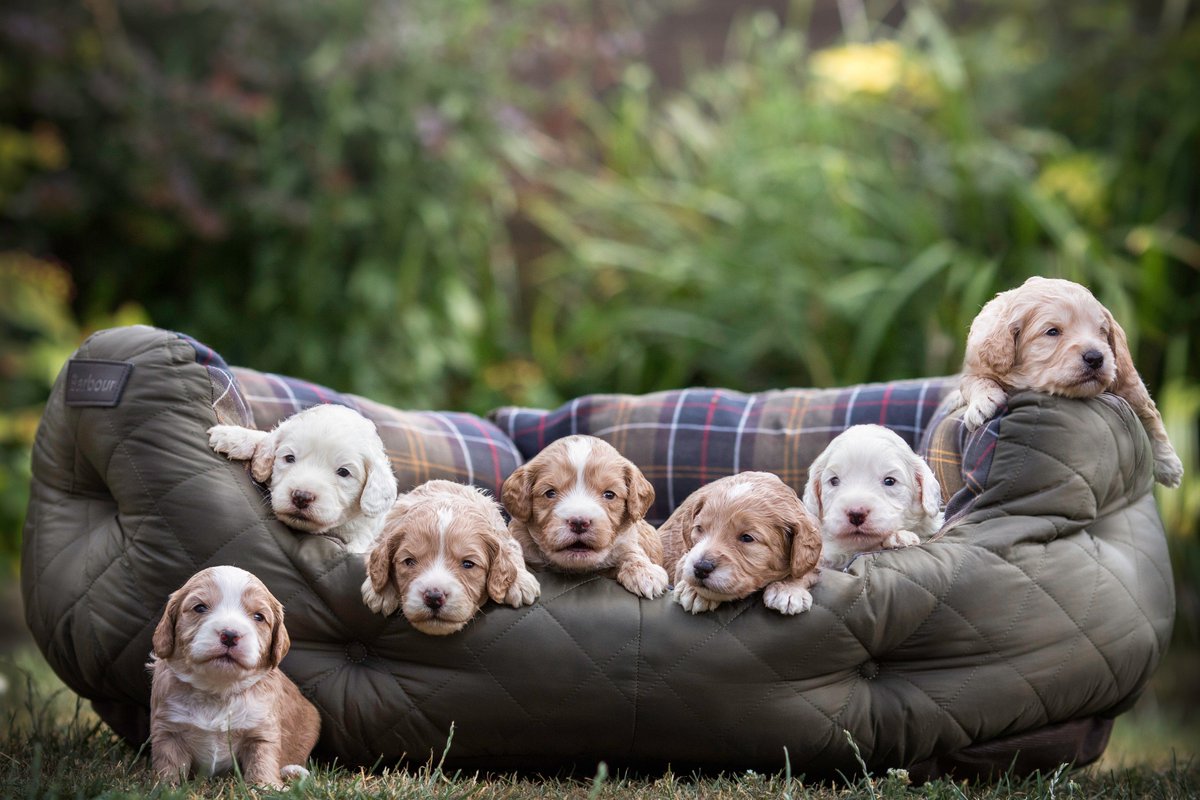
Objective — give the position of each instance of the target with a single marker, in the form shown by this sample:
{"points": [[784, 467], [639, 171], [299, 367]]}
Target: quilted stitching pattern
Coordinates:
{"points": [[1050, 599]]}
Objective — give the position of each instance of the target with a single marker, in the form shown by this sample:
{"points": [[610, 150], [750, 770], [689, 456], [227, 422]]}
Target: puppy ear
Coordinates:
{"points": [[263, 461], [164, 635], [806, 540], [812, 487], [235, 442], [929, 492], [379, 490], [992, 342], [640, 493], [382, 556], [280, 641], [515, 491], [506, 562], [1127, 374]]}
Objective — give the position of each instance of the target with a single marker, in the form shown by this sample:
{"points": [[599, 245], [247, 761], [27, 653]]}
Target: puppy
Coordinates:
{"points": [[870, 491], [577, 506], [1053, 336], [217, 693], [737, 535], [326, 468], [443, 552]]}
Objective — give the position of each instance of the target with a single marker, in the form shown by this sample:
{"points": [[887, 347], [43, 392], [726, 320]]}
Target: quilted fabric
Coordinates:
{"points": [[1045, 607]]}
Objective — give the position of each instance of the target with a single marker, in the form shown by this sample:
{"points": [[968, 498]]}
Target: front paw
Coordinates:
{"points": [[643, 579], [524, 591], [1168, 469], [235, 442], [687, 597], [787, 597], [293, 772], [384, 603], [900, 539], [983, 406]]}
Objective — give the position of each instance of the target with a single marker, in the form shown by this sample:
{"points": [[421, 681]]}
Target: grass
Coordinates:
{"points": [[54, 746]]}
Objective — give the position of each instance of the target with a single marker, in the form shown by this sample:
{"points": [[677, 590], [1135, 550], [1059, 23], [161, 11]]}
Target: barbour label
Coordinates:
{"points": [[92, 382]]}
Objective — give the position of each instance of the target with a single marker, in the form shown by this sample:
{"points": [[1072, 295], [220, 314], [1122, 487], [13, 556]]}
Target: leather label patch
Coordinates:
{"points": [[93, 382]]}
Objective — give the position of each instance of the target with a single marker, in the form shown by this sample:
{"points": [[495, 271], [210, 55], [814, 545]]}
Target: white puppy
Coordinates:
{"points": [[326, 468], [871, 491]]}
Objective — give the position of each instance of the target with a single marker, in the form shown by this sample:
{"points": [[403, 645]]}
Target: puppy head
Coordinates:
{"points": [[223, 627], [868, 484], [574, 497], [326, 466], [1049, 335], [444, 554], [743, 532]]}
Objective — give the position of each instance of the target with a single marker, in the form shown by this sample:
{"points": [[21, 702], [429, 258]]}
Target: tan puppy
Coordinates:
{"points": [[871, 491], [326, 467], [217, 692], [443, 552], [577, 506], [1053, 336], [737, 535]]}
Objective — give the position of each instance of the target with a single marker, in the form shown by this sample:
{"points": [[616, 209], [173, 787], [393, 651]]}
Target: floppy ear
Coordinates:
{"points": [[235, 442], [806, 540], [640, 494], [280, 641], [992, 342], [382, 556], [164, 635], [379, 490], [514, 494], [1127, 374], [812, 487], [676, 533], [929, 492], [506, 562], [263, 461]]}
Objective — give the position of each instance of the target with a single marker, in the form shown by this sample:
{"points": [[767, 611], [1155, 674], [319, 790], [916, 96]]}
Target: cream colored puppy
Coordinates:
{"points": [[578, 506], [871, 491], [738, 535], [217, 695], [1053, 336], [444, 550], [326, 467]]}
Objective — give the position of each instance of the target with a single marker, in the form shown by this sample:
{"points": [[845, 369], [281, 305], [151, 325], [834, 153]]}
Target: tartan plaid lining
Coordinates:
{"points": [[228, 403], [961, 460]]}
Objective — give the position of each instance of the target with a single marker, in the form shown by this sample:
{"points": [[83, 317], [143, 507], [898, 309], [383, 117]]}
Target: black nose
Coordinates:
{"points": [[1094, 359], [703, 568], [302, 499], [434, 598], [857, 517], [579, 524], [229, 638]]}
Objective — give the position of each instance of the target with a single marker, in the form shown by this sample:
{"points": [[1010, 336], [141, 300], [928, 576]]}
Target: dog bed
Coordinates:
{"points": [[1013, 638]]}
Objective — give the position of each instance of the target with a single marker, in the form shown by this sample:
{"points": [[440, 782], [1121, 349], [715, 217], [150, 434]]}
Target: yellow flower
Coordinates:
{"points": [[874, 70], [1079, 180]]}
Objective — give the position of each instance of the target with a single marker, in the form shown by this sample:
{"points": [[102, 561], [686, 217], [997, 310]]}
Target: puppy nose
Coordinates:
{"points": [[229, 638], [434, 598], [1094, 359], [579, 524], [857, 517], [703, 568], [302, 499]]}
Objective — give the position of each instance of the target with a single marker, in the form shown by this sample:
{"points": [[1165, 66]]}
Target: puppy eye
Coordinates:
{"points": [[745, 537], [468, 565], [258, 617], [342, 472], [609, 495], [550, 494], [289, 459], [1053, 332], [410, 562], [834, 481], [200, 608], [889, 481]]}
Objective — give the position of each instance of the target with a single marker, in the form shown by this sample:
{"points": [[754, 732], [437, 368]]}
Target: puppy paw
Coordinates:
{"points": [[1168, 469], [983, 406], [643, 579], [385, 603], [524, 591], [293, 772], [899, 539], [687, 597], [787, 597], [235, 442]]}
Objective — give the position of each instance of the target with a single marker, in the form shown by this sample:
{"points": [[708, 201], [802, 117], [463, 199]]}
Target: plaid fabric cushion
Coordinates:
{"points": [[960, 460], [227, 401], [684, 439]]}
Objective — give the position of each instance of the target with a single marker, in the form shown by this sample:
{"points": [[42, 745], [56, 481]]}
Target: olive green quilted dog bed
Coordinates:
{"points": [[1039, 613]]}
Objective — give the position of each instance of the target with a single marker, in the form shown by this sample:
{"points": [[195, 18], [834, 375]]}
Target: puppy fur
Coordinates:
{"points": [[444, 550], [870, 491], [1053, 336], [578, 506], [327, 470], [737, 535], [217, 693]]}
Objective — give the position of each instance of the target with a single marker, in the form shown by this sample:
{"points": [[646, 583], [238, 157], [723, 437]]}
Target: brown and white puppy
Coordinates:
{"points": [[1053, 336], [737, 535], [871, 491], [444, 550], [217, 693], [326, 467], [578, 506]]}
